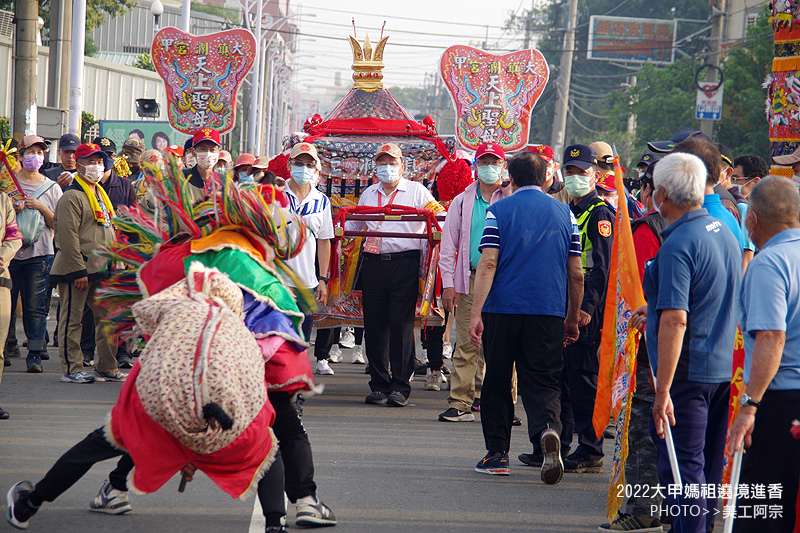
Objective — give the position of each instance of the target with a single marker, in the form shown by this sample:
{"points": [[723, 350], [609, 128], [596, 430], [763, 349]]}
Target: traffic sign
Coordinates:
{"points": [[709, 102]]}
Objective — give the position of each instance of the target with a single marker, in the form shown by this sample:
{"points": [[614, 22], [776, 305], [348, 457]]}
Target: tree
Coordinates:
{"points": [[144, 62]]}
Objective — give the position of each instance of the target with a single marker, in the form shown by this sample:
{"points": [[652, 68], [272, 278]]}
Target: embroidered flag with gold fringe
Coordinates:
{"points": [[616, 377]]}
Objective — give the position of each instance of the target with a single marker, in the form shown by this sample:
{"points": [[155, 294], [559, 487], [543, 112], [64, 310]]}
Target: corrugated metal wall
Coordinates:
{"points": [[110, 90]]}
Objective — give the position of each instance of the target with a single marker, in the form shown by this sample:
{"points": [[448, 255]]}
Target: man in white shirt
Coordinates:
{"points": [[389, 280], [315, 209]]}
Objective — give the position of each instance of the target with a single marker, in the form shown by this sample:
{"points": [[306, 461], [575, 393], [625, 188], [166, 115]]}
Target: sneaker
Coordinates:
{"points": [[531, 459], [323, 368], [113, 376], [629, 522], [476, 405], [358, 355], [124, 360], [516, 421], [34, 363], [110, 500], [454, 415], [396, 399], [376, 398], [434, 381], [496, 464], [610, 432], [420, 368], [447, 350], [578, 464], [44, 356], [6, 361], [347, 339], [20, 509], [77, 377], [12, 350], [552, 465], [4, 414], [311, 512], [335, 355], [88, 358], [275, 529], [445, 370]]}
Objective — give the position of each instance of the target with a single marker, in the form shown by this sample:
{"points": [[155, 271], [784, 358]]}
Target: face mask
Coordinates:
{"points": [[641, 173], [303, 175], [388, 173], [578, 185], [190, 160], [93, 173], [32, 162], [656, 206], [749, 231], [207, 159], [489, 174], [244, 177]]}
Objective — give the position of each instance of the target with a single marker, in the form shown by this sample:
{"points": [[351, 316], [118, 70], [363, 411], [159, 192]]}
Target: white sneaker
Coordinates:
{"points": [[358, 355], [434, 381], [335, 355], [424, 355], [323, 368], [110, 500], [347, 338], [447, 350]]}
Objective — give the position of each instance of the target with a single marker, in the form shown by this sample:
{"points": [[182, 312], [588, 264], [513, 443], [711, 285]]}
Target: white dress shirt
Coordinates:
{"points": [[410, 194]]}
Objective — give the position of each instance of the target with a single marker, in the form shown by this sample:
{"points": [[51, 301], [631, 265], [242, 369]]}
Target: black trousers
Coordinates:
{"points": [[389, 299], [295, 447], [325, 341], [578, 392], [433, 341], [535, 343], [773, 459]]}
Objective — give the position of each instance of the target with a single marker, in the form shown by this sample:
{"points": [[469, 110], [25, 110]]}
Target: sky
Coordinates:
{"points": [[419, 31]]}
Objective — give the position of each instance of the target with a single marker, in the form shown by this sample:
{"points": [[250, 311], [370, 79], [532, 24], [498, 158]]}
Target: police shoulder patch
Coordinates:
{"points": [[604, 228]]}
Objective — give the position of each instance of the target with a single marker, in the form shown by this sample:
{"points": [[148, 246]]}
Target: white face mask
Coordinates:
{"points": [[578, 185], [190, 160], [388, 173], [93, 173], [656, 206], [207, 159], [303, 175]]}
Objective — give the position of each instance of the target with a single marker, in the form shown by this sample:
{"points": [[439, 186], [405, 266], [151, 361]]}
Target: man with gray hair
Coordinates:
{"points": [[770, 322], [692, 288]]}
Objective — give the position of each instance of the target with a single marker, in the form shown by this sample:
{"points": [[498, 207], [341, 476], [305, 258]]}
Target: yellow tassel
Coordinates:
{"points": [[783, 64], [434, 206], [782, 171], [121, 167]]}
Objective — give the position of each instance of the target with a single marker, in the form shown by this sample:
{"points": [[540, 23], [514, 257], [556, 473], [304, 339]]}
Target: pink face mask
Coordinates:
{"points": [[32, 162]]}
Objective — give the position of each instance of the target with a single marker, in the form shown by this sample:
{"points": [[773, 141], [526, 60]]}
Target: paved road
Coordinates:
{"points": [[379, 468]]}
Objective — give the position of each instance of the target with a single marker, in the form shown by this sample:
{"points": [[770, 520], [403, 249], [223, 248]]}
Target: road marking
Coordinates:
{"points": [[257, 521]]}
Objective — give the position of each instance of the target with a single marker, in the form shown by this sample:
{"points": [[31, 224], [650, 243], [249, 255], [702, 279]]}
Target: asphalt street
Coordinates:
{"points": [[381, 469]]}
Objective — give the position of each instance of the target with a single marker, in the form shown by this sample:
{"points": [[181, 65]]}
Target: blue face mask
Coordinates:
{"points": [[303, 175], [489, 174], [388, 173], [245, 178]]}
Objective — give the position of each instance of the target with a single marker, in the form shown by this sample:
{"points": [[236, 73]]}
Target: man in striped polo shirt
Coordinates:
{"points": [[531, 260]]}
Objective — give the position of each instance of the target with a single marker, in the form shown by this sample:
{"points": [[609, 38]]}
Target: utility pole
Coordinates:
{"points": [[186, 16], [26, 13], [562, 85], [60, 46], [528, 27], [76, 66], [718, 13]]}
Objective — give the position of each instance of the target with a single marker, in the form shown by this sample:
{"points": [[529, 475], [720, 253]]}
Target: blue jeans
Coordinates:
{"points": [[29, 277]]}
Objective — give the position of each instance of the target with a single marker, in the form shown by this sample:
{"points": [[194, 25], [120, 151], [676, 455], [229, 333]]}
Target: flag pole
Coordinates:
{"points": [[736, 469]]}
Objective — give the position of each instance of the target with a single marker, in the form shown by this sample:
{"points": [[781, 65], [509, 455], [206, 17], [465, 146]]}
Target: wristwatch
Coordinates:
{"points": [[324, 278], [747, 400]]}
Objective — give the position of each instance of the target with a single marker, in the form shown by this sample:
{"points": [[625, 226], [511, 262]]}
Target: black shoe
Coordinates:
{"points": [[12, 350], [396, 399], [454, 415], [552, 465], [34, 363], [44, 356], [420, 368], [376, 398], [4, 414], [578, 464], [516, 421], [531, 459], [88, 358], [19, 508], [476, 405], [275, 529], [629, 522], [124, 360], [6, 362], [55, 342], [610, 432]]}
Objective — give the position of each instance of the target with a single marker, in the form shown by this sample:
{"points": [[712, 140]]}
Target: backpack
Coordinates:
{"points": [[31, 221]]}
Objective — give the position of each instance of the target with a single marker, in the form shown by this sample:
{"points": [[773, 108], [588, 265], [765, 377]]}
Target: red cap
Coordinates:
{"points": [[206, 134], [244, 160], [542, 150], [490, 148], [175, 150], [607, 182], [87, 149]]}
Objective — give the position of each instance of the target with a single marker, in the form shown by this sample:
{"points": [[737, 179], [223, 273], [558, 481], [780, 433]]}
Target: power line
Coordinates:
{"points": [[349, 12], [429, 34]]}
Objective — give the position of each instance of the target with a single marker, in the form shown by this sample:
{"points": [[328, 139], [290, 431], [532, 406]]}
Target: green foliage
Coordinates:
{"points": [[231, 15], [5, 128], [145, 62], [409, 97], [87, 121], [744, 126]]}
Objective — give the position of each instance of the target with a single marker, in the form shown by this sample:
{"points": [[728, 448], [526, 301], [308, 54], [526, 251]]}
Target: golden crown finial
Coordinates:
{"points": [[367, 65]]}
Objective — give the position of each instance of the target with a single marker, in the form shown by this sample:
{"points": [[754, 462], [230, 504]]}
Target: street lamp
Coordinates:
{"points": [[157, 9]]}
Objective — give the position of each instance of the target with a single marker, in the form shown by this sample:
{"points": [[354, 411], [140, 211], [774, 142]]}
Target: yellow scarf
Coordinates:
{"points": [[98, 213]]}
